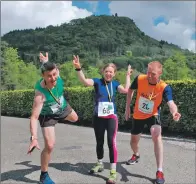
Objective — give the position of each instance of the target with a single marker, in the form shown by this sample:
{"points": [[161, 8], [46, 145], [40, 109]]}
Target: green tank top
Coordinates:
{"points": [[50, 105]]}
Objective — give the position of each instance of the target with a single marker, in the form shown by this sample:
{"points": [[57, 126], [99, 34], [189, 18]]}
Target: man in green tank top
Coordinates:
{"points": [[49, 107]]}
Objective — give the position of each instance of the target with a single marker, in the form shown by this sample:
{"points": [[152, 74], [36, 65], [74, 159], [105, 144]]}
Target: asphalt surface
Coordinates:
{"points": [[74, 155]]}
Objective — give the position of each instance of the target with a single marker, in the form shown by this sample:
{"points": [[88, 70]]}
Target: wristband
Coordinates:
{"points": [[78, 69]]}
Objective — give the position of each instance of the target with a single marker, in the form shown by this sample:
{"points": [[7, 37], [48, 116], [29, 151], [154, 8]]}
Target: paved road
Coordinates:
{"points": [[74, 155]]}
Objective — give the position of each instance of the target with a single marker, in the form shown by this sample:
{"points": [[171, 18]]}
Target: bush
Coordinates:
{"points": [[19, 103]]}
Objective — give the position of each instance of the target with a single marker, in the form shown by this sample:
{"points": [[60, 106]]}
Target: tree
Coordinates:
{"points": [[15, 73], [129, 54], [175, 67]]}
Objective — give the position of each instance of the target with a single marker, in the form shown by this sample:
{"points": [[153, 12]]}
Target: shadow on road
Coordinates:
{"points": [[19, 175], [124, 174], [82, 168]]}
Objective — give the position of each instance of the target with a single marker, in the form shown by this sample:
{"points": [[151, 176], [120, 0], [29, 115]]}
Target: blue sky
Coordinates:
{"points": [[97, 7], [160, 19]]}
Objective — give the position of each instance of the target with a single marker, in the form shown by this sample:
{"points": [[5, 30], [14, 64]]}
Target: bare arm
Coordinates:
{"points": [[122, 89], [172, 107], [86, 82], [128, 102], [125, 89], [174, 110], [82, 78], [37, 106]]}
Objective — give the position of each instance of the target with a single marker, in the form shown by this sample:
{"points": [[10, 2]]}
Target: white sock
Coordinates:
{"points": [[100, 161], [160, 169], [113, 166]]}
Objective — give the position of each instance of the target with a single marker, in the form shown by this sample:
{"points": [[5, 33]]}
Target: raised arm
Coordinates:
{"points": [[130, 94], [82, 78], [122, 89]]}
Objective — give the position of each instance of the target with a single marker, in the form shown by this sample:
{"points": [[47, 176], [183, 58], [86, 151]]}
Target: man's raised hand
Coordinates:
{"points": [[43, 59], [76, 62]]}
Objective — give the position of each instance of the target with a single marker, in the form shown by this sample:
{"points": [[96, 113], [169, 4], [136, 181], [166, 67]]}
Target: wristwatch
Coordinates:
{"points": [[32, 138]]}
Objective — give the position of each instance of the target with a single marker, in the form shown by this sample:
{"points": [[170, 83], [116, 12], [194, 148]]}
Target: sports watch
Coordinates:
{"points": [[32, 138]]}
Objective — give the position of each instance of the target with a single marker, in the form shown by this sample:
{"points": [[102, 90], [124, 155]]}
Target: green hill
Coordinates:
{"points": [[91, 37]]}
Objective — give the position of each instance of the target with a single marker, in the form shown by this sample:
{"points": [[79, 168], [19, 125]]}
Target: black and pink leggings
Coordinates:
{"points": [[111, 125]]}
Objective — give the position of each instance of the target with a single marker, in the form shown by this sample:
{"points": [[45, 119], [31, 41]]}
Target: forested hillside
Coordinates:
{"points": [[94, 36], [97, 40]]}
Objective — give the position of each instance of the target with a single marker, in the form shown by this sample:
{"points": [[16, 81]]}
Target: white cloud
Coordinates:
{"points": [[181, 17], [32, 14]]}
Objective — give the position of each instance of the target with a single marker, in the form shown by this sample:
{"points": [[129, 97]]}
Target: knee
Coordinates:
{"points": [[156, 133], [49, 146], [156, 138], [75, 118]]}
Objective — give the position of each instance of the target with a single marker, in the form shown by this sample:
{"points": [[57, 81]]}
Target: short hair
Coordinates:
{"points": [[110, 65], [48, 66], [155, 64]]}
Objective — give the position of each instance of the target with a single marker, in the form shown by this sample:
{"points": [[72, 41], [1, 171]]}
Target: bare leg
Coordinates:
{"points": [[72, 117], [134, 143], [158, 144], [49, 140]]}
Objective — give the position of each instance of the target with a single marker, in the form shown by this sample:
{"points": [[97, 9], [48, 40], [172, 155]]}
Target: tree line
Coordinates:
{"points": [[18, 74]]}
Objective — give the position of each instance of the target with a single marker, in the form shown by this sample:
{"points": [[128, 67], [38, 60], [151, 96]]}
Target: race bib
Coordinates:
{"points": [[56, 107], [105, 108], [145, 105]]}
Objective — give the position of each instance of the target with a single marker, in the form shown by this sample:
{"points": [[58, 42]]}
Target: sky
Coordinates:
{"points": [[171, 21]]}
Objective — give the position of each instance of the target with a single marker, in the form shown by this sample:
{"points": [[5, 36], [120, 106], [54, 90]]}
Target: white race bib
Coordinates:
{"points": [[105, 108], [145, 105], [56, 107]]}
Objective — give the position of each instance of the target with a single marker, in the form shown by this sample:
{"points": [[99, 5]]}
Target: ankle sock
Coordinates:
{"points": [[160, 169], [113, 166]]}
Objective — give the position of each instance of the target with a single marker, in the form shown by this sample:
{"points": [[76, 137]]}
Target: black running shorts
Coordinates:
{"points": [[52, 120], [138, 124]]}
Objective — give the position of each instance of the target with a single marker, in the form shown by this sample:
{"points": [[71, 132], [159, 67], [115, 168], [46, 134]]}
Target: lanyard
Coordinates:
{"points": [[151, 96], [52, 94], [110, 96]]}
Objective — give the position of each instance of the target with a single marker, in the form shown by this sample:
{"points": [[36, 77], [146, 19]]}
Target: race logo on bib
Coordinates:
{"points": [[105, 108]]}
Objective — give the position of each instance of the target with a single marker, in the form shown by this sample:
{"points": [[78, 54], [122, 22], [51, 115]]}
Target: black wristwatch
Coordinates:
{"points": [[32, 138]]}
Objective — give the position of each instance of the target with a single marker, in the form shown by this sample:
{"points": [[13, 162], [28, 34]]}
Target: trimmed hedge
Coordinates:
{"points": [[19, 103]]}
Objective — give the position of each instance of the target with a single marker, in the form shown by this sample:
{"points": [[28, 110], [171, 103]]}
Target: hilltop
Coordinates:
{"points": [[91, 37]]}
